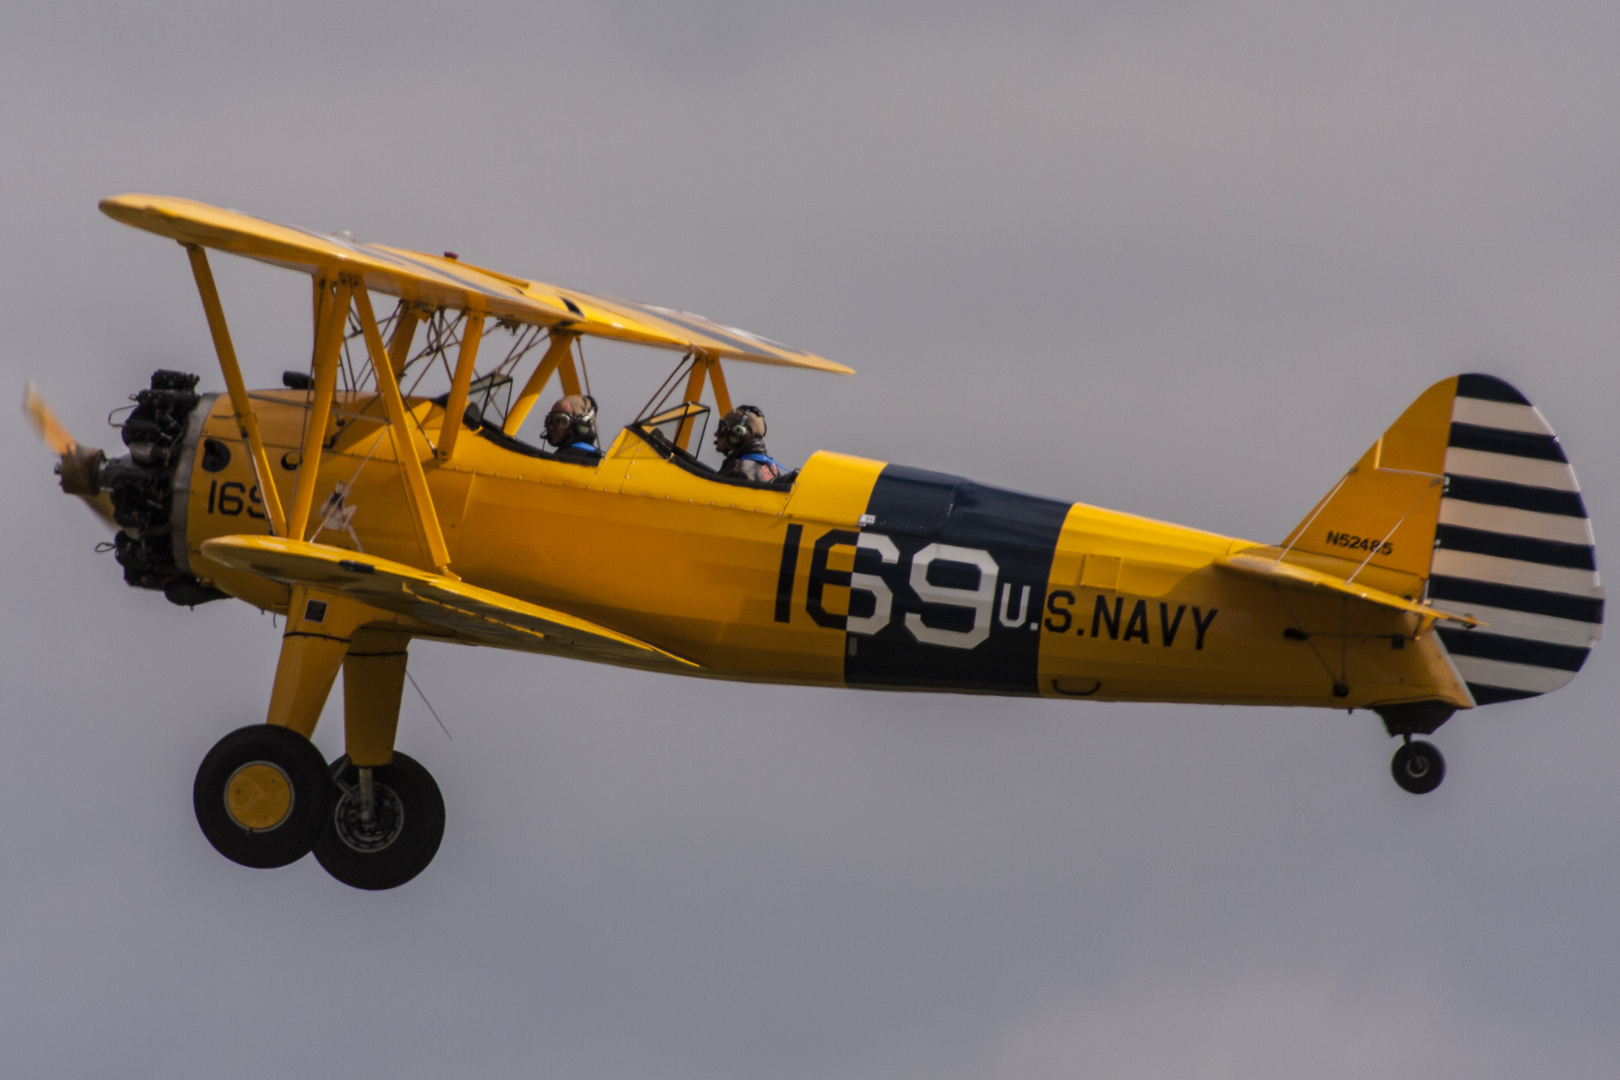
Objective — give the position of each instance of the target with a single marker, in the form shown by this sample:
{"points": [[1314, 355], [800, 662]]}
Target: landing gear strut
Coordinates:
{"points": [[1418, 766], [265, 796]]}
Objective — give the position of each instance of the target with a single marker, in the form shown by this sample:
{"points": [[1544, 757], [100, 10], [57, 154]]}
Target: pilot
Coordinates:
{"points": [[571, 426], [741, 438]]}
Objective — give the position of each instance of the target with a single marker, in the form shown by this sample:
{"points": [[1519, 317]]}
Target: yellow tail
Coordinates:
{"points": [[1470, 491], [1386, 508]]}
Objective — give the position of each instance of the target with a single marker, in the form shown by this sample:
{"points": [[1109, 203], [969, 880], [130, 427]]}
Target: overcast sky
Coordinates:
{"points": [[1181, 259]]}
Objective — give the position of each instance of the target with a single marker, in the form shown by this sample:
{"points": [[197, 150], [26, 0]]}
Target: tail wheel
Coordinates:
{"points": [[1418, 767], [262, 796], [386, 825]]}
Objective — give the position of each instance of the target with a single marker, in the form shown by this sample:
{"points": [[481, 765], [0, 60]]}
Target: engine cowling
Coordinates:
{"points": [[162, 434]]}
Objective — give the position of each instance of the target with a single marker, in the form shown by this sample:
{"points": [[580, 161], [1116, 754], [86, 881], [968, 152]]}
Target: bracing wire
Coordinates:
{"points": [[429, 705], [584, 372], [667, 387]]}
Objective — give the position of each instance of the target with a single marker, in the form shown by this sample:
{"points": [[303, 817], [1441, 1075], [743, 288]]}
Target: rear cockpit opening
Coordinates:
{"points": [[665, 430]]}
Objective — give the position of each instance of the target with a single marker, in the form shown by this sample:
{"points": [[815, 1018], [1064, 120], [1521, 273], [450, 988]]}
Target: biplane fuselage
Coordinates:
{"points": [[1451, 566], [959, 586]]}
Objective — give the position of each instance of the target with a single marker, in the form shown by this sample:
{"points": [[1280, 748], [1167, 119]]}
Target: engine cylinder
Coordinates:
{"points": [[142, 487]]}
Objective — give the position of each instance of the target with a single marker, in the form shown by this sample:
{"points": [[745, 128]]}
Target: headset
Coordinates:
{"points": [[738, 433]]}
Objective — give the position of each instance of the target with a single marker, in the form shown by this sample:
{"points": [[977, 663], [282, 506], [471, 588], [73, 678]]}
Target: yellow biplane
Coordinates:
{"points": [[1451, 567]]}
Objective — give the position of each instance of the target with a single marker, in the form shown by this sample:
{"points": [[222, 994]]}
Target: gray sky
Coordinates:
{"points": [[1181, 259]]}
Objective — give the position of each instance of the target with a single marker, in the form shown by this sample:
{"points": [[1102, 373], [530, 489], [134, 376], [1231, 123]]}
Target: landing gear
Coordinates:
{"points": [[265, 796], [262, 796], [1418, 767], [386, 825]]}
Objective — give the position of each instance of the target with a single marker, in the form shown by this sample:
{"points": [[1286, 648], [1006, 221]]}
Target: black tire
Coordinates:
{"points": [[401, 839], [1418, 767], [262, 796]]}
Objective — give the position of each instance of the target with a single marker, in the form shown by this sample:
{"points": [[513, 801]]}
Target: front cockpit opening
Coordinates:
{"points": [[491, 397]]}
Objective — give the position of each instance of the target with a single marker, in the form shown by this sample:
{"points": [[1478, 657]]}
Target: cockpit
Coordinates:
{"points": [[672, 430], [669, 432]]}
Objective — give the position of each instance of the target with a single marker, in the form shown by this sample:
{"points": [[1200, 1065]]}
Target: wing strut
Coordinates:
{"points": [[399, 346], [328, 344], [694, 391], [567, 374], [704, 364], [246, 422], [562, 344], [399, 428], [717, 378], [472, 332]]}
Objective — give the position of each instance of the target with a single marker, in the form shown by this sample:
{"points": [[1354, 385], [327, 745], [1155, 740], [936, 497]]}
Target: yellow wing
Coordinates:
{"points": [[468, 612], [444, 282]]}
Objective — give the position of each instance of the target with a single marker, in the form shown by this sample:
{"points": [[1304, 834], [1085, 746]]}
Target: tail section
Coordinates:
{"points": [[1469, 498], [1513, 547], [1385, 510]]}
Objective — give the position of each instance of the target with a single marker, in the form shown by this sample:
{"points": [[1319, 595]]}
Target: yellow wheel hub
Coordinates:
{"points": [[258, 796]]}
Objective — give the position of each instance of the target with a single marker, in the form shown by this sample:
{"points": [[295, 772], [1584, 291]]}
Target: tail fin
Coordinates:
{"points": [[1471, 491]]}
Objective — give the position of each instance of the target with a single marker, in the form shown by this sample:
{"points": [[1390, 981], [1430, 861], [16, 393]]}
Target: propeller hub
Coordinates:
{"points": [[80, 470]]}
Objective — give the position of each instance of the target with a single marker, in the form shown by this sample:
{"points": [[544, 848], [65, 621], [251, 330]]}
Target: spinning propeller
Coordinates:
{"points": [[80, 466]]}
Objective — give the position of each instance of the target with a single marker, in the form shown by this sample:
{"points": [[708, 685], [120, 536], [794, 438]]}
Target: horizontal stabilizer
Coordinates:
{"points": [[1270, 568], [466, 611]]}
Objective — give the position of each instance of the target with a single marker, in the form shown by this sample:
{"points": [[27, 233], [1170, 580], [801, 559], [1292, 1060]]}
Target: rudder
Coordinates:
{"points": [[1513, 548]]}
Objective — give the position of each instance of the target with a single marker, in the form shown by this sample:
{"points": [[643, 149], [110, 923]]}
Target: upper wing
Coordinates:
{"points": [[471, 613], [1287, 573], [682, 329], [444, 282]]}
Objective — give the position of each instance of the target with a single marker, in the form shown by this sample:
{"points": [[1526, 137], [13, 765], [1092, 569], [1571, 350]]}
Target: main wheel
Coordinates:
{"points": [[262, 796], [1418, 767], [397, 839]]}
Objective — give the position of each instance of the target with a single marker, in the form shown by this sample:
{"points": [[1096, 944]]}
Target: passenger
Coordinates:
{"points": [[571, 426], [741, 438]]}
